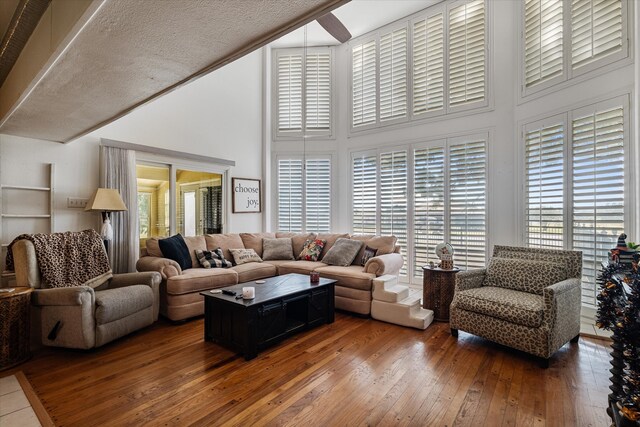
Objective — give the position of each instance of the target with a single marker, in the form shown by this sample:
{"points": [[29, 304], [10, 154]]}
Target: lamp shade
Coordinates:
{"points": [[106, 200]]}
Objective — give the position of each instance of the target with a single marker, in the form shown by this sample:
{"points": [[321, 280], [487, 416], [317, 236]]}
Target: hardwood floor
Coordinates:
{"points": [[353, 372]]}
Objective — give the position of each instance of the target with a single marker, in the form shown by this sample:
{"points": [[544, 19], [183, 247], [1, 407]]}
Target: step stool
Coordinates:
{"points": [[397, 304]]}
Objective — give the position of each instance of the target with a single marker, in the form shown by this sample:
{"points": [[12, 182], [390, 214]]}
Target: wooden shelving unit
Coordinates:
{"points": [[10, 221]]}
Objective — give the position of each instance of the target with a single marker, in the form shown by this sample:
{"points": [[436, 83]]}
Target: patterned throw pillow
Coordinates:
{"points": [[212, 259], [243, 256], [312, 249], [368, 254]]}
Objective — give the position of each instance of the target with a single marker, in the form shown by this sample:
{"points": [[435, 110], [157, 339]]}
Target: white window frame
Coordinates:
{"points": [[567, 116], [445, 142], [304, 158], [278, 135], [447, 110], [569, 76]]}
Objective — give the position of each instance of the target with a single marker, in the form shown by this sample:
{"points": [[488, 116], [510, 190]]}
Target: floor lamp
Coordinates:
{"points": [[106, 200]]}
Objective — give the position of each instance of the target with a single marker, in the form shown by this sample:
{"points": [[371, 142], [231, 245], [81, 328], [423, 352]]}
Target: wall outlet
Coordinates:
{"points": [[77, 202]]}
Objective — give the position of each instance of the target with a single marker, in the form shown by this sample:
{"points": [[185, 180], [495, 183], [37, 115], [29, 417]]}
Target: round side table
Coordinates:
{"points": [[437, 290], [15, 319]]}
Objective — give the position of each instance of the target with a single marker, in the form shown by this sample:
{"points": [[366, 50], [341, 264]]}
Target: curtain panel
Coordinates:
{"points": [[118, 170]]}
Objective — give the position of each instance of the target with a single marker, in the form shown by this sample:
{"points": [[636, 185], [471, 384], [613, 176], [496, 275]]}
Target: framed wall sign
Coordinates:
{"points": [[246, 195]]}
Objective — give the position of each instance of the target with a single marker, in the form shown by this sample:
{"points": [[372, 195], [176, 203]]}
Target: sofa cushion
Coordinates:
{"points": [[153, 248], [331, 240], [343, 252], [352, 276], [212, 259], [254, 240], [195, 243], [311, 250], [522, 308], [297, 240], [524, 275], [225, 242], [243, 256], [278, 248], [115, 304], [176, 248], [253, 271], [300, 267], [276, 263], [201, 279], [382, 244]]}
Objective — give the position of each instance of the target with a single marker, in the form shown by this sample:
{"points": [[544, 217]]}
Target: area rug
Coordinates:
{"points": [[19, 404]]}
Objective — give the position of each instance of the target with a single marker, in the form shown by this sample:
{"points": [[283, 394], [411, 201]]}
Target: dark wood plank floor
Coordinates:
{"points": [[353, 372]]}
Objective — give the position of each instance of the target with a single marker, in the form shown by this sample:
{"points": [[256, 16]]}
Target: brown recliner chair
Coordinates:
{"points": [[527, 298], [87, 317]]}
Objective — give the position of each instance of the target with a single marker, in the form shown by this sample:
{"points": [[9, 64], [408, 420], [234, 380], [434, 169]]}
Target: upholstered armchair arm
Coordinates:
{"points": [[149, 278], [470, 279], [166, 267], [562, 302], [384, 264], [77, 295]]}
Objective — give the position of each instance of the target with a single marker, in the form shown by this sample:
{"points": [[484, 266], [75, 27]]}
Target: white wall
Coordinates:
{"points": [[502, 122], [219, 115]]}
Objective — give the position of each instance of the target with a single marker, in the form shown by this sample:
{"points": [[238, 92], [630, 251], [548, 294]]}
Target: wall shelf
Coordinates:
{"points": [[26, 216], [24, 187]]}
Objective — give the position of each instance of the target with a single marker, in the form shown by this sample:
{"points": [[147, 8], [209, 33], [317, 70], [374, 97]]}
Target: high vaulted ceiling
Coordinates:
{"points": [[121, 54]]}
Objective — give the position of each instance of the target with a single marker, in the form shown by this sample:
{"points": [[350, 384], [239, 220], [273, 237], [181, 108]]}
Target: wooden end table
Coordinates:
{"points": [[437, 290], [15, 321]]}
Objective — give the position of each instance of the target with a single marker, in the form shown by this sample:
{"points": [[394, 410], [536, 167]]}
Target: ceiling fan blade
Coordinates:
{"points": [[334, 27]]}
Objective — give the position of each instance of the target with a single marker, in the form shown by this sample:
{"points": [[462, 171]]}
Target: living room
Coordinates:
{"points": [[424, 125]]}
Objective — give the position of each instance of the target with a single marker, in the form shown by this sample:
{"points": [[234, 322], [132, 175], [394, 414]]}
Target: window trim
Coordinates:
{"points": [[447, 111], [570, 77], [567, 114], [410, 146], [277, 135], [332, 179]]}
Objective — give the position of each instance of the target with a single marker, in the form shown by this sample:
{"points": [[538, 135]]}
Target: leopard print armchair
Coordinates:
{"points": [[527, 298]]}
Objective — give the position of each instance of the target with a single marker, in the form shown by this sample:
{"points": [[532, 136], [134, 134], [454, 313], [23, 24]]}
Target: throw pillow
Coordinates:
{"points": [[175, 248], [367, 255], [243, 256], [524, 275], [312, 249], [343, 252], [212, 259], [277, 249]]}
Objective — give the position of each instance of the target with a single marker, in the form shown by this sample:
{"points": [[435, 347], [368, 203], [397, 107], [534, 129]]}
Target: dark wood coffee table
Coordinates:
{"points": [[282, 306]]}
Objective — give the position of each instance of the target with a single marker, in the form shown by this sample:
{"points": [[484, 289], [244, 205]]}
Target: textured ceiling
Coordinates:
{"points": [[132, 51]]}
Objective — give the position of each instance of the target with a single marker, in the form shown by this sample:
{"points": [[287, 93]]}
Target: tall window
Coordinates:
{"points": [[303, 92], [583, 209], [304, 195], [565, 38], [433, 64], [425, 195]]}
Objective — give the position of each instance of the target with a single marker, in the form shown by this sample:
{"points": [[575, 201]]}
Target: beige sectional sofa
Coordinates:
{"points": [[180, 290]]}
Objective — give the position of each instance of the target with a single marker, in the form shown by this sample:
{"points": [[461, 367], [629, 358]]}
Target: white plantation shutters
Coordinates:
{"points": [[544, 164], [467, 53], [393, 197], [596, 30], [543, 43], [429, 205], [318, 92], [598, 190], [393, 74], [364, 78], [289, 86], [364, 177], [318, 195], [304, 195], [467, 203], [428, 64], [290, 195], [303, 96]]}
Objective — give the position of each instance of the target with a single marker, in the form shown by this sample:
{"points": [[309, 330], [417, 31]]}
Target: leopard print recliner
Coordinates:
{"points": [[527, 298]]}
